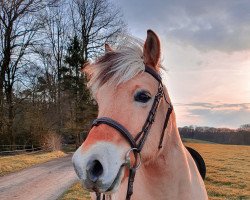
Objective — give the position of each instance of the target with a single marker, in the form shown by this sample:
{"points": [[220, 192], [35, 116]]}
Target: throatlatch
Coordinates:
{"points": [[138, 142]]}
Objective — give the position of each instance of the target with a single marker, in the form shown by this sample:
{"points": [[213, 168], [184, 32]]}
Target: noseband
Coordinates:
{"points": [[138, 141]]}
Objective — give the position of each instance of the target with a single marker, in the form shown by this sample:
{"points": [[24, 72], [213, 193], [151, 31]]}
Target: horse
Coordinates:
{"points": [[134, 150]]}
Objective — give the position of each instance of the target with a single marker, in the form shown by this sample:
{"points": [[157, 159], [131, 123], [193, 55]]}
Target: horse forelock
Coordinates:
{"points": [[117, 66]]}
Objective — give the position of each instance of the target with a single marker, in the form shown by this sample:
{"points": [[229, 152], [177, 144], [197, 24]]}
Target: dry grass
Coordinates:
{"points": [[228, 170], [228, 173], [15, 163], [76, 193]]}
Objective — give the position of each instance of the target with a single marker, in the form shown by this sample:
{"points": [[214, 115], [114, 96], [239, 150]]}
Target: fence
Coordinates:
{"points": [[17, 149]]}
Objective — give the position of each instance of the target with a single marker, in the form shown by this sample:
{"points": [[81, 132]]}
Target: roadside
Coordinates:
{"points": [[16, 163], [46, 181], [75, 192]]}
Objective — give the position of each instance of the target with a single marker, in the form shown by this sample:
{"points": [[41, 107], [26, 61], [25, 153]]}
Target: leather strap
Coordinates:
{"points": [[131, 179], [170, 109], [153, 73], [143, 134], [120, 128]]}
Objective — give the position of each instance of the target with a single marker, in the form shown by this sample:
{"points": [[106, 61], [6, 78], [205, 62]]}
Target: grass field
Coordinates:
{"points": [[228, 172], [15, 163]]}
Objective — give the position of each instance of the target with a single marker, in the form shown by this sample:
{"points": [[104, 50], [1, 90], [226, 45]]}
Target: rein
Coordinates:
{"points": [[138, 141]]}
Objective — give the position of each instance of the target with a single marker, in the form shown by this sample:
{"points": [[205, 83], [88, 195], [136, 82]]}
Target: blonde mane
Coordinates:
{"points": [[117, 66]]}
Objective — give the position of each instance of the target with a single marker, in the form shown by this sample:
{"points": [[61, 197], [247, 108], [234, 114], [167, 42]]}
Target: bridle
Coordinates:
{"points": [[138, 141]]}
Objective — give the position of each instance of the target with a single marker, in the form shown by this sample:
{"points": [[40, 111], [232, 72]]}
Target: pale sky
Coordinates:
{"points": [[206, 51]]}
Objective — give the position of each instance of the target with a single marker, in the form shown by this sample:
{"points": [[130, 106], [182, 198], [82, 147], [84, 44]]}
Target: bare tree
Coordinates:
{"points": [[38, 58], [56, 34], [57, 29], [245, 127], [95, 22], [19, 26]]}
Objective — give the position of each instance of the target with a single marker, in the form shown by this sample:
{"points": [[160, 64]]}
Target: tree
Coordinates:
{"points": [[42, 49], [95, 22], [19, 26], [245, 127], [56, 36], [75, 84]]}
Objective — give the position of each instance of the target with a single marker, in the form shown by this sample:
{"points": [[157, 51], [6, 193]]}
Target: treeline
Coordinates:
{"points": [[240, 136], [43, 44]]}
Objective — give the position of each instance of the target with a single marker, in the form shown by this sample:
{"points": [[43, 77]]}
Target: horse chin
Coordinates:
{"points": [[117, 181]]}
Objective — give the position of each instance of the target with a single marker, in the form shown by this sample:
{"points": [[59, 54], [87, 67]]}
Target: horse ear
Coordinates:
{"points": [[108, 48], [84, 66], [152, 50], [85, 69]]}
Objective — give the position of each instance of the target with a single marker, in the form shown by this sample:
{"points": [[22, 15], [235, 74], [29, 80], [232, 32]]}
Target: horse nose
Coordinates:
{"points": [[94, 170]]}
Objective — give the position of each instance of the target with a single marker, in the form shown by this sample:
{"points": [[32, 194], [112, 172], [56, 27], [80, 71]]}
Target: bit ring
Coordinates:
{"points": [[137, 158]]}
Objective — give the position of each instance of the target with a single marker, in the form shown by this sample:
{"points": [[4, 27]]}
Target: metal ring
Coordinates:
{"points": [[128, 161]]}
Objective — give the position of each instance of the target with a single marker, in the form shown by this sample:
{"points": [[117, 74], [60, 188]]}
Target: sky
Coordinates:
{"points": [[206, 51]]}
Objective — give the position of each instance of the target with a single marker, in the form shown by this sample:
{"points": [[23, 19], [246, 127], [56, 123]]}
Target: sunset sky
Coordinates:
{"points": [[206, 51]]}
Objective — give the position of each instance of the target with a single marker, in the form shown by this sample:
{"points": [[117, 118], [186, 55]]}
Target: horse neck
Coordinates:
{"points": [[170, 174]]}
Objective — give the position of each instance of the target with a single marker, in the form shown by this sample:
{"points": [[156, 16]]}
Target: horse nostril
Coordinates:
{"points": [[94, 170]]}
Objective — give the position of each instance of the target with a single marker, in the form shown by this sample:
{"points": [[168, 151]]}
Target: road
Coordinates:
{"points": [[45, 181]]}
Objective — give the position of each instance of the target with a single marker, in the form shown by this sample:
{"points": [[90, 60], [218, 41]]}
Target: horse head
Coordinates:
{"points": [[133, 113]]}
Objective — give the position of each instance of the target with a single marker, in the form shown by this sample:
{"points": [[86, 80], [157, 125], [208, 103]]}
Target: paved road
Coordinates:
{"points": [[46, 181]]}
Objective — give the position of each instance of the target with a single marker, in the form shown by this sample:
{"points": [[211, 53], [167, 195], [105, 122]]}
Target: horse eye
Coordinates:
{"points": [[142, 96]]}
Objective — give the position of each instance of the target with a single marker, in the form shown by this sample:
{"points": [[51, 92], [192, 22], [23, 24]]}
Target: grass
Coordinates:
{"points": [[228, 170], [15, 163], [69, 148], [228, 173], [76, 192]]}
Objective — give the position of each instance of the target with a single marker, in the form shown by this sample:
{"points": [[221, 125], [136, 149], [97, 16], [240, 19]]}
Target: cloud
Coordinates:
{"points": [[217, 115], [206, 25], [224, 106], [206, 48]]}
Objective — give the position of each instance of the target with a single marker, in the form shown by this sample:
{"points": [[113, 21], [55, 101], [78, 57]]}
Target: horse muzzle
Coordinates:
{"points": [[100, 168]]}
